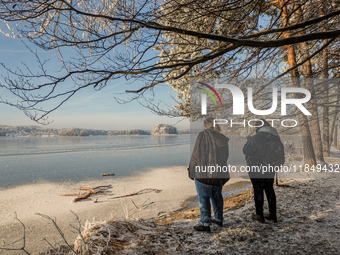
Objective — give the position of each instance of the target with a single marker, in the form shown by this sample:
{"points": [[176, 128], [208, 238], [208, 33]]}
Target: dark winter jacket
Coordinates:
{"points": [[256, 149], [211, 149]]}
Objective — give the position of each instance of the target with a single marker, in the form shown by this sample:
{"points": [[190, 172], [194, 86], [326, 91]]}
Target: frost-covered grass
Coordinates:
{"points": [[308, 223]]}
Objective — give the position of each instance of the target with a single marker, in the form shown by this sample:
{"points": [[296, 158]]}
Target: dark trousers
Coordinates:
{"points": [[259, 186]]}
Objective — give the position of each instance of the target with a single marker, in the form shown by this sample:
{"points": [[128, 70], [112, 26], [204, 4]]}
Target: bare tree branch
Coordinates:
{"points": [[23, 238]]}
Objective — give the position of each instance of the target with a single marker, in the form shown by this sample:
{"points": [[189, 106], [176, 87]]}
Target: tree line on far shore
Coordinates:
{"points": [[161, 129]]}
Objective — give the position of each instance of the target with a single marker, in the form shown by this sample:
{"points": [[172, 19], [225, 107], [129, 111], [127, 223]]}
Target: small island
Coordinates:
{"points": [[164, 129]]}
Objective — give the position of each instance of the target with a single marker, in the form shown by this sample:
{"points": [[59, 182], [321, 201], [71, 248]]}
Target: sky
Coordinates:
{"points": [[88, 109]]}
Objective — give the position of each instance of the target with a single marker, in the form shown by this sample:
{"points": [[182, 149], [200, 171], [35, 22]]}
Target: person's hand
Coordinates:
{"points": [[189, 173]]}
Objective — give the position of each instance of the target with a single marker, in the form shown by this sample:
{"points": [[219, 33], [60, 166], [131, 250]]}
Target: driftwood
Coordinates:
{"points": [[92, 191], [71, 194], [108, 174], [88, 188], [104, 186], [138, 193], [82, 197]]}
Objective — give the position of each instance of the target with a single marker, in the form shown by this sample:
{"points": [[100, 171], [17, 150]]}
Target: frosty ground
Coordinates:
{"points": [[308, 223]]}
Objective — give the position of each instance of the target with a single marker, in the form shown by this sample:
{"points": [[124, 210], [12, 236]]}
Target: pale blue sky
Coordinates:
{"points": [[89, 108]]}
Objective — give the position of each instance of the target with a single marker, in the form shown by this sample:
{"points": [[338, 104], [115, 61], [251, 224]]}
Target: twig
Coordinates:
{"points": [[88, 188], [72, 194], [51, 246], [145, 205], [108, 174], [23, 238], [138, 193], [104, 186], [78, 228], [58, 229], [142, 206], [125, 208], [135, 204]]}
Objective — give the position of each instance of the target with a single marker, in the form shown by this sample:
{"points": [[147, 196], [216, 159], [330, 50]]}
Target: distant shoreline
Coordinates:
{"points": [[36, 131], [91, 135]]}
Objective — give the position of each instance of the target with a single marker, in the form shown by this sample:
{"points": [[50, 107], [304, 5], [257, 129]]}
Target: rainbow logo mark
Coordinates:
{"points": [[204, 97], [208, 92]]}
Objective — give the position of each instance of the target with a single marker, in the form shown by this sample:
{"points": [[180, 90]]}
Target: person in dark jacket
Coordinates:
{"points": [[208, 167], [256, 151]]}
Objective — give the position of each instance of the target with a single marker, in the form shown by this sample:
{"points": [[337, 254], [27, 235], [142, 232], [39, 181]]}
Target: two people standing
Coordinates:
{"points": [[211, 149]]}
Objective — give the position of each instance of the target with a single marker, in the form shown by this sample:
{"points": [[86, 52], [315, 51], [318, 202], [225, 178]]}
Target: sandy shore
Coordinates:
{"points": [[177, 190], [308, 223]]}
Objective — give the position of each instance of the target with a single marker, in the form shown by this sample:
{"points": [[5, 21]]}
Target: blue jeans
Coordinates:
{"points": [[205, 194]]}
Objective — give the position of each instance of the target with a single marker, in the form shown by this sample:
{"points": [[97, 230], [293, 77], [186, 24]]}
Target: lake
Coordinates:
{"points": [[31, 159], [25, 160]]}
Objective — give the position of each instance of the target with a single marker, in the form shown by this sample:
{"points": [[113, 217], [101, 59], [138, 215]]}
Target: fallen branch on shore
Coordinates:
{"points": [[71, 194], [82, 197], [88, 188], [138, 193], [108, 174], [92, 191]]}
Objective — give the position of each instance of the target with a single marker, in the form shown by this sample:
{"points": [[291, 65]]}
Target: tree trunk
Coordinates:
{"points": [[332, 130], [325, 110], [309, 156], [336, 110], [336, 136], [307, 73], [312, 107]]}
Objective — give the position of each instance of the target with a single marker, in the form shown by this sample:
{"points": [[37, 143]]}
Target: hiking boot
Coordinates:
{"points": [[220, 223], [271, 217], [258, 218], [202, 228]]}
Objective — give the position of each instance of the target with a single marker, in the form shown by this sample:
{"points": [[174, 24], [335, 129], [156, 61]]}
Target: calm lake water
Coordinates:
{"points": [[31, 159], [26, 160]]}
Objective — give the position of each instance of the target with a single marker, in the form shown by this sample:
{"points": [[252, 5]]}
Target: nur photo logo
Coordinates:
{"points": [[239, 99]]}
